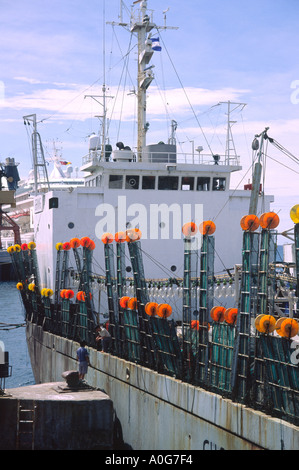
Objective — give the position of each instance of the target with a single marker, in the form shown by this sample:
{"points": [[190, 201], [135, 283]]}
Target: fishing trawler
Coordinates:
{"points": [[204, 369]]}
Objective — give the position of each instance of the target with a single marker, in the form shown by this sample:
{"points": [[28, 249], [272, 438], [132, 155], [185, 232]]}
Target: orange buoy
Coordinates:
{"points": [[132, 303], [269, 220], [230, 315], [164, 310], [265, 323], [85, 242], [81, 296], [75, 242], [120, 237], [123, 301], [107, 238], [92, 245], [195, 325], [217, 313], [69, 294], [287, 327], [250, 223], [207, 228], [133, 235], [151, 308], [189, 229], [62, 293], [24, 247], [66, 246]]}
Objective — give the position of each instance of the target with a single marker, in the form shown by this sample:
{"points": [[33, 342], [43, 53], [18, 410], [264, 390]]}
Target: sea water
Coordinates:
{"points": [[12, 312]]}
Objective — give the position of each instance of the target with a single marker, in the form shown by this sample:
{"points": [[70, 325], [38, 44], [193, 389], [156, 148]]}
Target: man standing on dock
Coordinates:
{"points": [[83, 358]]}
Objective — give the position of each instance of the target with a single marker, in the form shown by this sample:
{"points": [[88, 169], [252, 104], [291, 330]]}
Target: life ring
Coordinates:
{"points": [[69, 294], [195, 325], [250, 223], [24, 247], [62, 293], [59, 246], [230, 315], [20, 286], [217, 313], [92, 245], [294, 214], [151, 309], [189, 229], [18, 248], [81, 296], [66, 246]]}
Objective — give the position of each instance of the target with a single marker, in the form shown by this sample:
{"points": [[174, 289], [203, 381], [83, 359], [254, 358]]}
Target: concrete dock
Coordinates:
{"points": [[53, 416]]}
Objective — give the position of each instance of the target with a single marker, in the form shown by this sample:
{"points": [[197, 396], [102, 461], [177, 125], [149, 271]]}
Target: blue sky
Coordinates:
{"points": [[51, 57]]}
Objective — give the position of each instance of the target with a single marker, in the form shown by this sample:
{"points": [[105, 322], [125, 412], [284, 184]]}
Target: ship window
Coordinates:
{"points": [[168, 182], [187, 183], [148, 182], [132, 182], [219, 184], [115, 181], [203, 183]]}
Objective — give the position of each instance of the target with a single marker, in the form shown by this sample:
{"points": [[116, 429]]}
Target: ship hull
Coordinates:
{"points": [[158, 412]]}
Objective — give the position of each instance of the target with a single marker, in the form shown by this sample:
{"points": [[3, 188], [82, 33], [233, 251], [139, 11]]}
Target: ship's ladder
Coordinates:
{"points": [[26, 418]]}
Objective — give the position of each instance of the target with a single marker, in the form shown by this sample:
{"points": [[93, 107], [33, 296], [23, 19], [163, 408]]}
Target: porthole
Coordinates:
{"points": [[128, 269], [71, 225], [173, 268]]}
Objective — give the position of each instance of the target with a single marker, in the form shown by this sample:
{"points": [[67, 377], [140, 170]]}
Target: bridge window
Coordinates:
{"points": [[219, 184], [187, 183], [203, 183], [132, 182], [168, 182], [148, 182], [115, 181]]}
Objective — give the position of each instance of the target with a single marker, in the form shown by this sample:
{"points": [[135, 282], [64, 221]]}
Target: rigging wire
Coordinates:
{"points": [[184, 90]]}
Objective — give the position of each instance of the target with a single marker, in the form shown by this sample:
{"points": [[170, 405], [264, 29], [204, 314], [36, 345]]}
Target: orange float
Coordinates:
{"points": [[62, 293], [151, 308], [269, 220], [230, 315], [265, 323], [250, 223], [107, 238], [75, 242], [81, 296], [287, 327], [207, 228], [85, 242], [195, 325], [189, 229], [217, 313], [133, 235], [123, 301], [120, 237], [132, 303], [92, 245], [69, 294], [164, 310]]}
